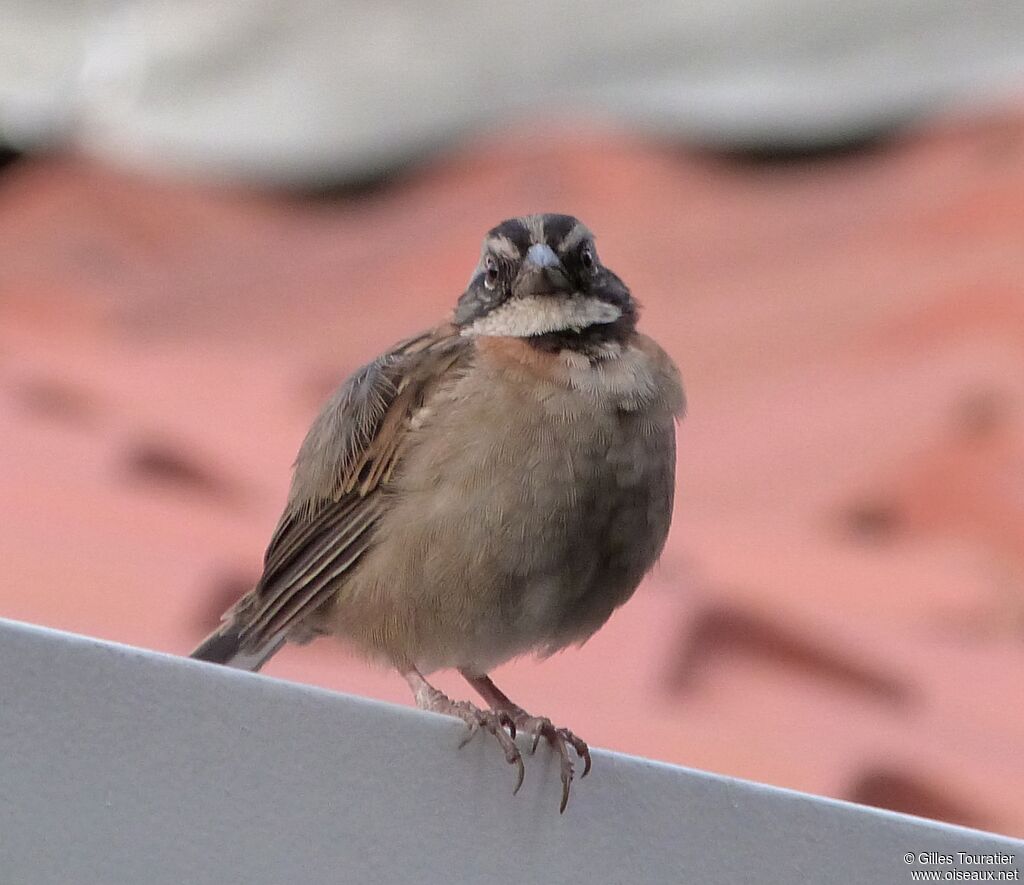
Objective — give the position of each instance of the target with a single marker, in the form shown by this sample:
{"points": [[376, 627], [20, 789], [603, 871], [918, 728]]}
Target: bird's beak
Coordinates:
{"points": [[542, 273]]}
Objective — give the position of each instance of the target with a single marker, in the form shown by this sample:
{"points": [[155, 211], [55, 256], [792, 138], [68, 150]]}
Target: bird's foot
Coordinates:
{"points": [[494, 722], [538, 727], [560, 740]]}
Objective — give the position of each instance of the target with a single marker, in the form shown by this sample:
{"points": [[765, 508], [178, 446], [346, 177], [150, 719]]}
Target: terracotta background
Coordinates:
{"points": [[841, 605]]}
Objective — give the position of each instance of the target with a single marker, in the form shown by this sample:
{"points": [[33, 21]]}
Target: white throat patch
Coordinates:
{"points": [[538, 314]]}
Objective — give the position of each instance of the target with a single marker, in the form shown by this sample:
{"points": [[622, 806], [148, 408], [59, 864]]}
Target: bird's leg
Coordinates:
{"points": [[494, 722], [537, 726]]}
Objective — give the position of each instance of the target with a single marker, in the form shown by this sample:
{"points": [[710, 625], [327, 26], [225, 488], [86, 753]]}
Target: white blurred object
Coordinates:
{"points": [[299, 91], [42, 46]]}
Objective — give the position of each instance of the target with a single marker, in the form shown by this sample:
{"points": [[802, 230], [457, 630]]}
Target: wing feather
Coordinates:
{"points": [[335, 503]]}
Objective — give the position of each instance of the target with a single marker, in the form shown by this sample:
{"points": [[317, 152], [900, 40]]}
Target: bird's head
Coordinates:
{"points": [[539, 277]]}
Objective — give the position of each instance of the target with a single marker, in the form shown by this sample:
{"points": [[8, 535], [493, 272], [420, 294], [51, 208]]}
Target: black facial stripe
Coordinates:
{"points": [[477, 300], [557, 228], [516, 232], [589, 341]]}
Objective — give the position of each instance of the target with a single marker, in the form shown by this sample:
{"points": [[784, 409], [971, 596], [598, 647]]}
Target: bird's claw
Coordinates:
{"points": [[504, 723], [559, 739], [494, 723]]}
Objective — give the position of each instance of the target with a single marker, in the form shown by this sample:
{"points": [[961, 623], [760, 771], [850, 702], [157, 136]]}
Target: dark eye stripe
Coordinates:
{"points": [[515, 231]]}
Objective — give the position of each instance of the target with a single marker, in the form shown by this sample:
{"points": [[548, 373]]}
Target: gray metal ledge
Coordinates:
{"points": [[123, 766]]}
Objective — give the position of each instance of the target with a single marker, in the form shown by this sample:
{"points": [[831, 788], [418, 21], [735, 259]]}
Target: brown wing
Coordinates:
{"points": [[335, 502]]}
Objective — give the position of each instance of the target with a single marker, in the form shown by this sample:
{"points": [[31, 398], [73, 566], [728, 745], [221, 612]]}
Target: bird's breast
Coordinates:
{"points": [[534, 494]]}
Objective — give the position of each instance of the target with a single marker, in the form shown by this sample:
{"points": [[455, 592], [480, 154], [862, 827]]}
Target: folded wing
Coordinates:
{"points": [[347, 459]]}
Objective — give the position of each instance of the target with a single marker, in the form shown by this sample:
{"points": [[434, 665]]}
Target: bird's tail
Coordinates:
{"points": [[226, 646]]}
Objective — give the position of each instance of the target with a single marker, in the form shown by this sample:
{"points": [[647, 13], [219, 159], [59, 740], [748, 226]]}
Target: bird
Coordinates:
{"points": [[493, 487]]}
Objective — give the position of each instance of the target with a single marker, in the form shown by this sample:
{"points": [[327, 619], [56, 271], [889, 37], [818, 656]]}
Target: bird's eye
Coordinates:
{"points": [[587, 257], [490, 272]]}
